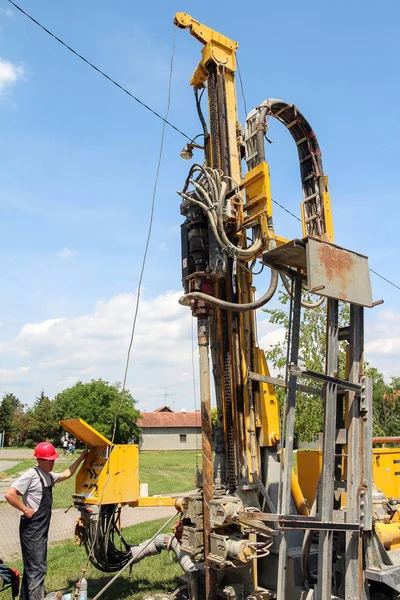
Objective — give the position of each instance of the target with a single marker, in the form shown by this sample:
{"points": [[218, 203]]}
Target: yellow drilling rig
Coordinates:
{"points": [[257, 529]]}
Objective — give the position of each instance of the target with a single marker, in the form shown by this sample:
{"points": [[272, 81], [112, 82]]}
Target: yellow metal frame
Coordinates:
{"points": [[110, 472], [385, 471], [217, 47]]}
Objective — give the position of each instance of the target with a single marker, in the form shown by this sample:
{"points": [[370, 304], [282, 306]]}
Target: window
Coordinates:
{"points": [[182, 438]]}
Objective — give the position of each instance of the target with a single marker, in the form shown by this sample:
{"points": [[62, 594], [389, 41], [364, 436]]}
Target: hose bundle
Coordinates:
{"points": [[209, 189], [106, 548]]}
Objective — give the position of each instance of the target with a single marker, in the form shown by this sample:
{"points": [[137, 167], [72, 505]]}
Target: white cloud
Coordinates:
{"points": [[7, 12], [66, 253], [382, 348], [9, 74], [56, 353], [11, 377], [62, 351], [65, 350]]}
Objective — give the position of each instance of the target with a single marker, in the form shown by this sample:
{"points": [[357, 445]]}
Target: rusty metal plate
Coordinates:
{"points": [[338, 273]]}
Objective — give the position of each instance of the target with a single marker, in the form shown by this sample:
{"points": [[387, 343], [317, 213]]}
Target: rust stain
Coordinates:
{"points": [[338, 266]]}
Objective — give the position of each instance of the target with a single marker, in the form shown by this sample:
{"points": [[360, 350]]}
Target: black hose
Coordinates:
{"points": [[105, 546]]}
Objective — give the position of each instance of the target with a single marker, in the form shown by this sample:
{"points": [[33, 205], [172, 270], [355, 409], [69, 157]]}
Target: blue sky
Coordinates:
{"points": [[78, 160]]}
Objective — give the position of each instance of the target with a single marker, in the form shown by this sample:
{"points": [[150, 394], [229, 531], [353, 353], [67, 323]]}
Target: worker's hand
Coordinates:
{"points": [[83, 455], [28, 512]]}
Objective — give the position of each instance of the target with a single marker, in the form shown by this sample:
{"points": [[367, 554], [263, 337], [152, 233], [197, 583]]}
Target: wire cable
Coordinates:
{"points": [[287, 210], [85, 60], [166, 122], [241, 85], [111, 581], [111, 558], [384, 278], [148, 233], [155, 113]]}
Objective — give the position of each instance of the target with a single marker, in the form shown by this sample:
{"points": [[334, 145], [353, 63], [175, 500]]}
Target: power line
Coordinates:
{"points": [[287, 210], [241, 86], [384, 278], [166, 122], [121, 87], [372, 270]]}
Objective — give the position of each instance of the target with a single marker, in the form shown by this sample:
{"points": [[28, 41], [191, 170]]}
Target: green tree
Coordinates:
{"points": [[214, 417], [42, 420], [386, 404], [19, 425], [100, 404], [8, 406], [312, 353]]}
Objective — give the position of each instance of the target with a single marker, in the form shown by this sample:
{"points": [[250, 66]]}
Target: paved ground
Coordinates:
{"points": [[63, 525], [7, 464], [13, 453]]}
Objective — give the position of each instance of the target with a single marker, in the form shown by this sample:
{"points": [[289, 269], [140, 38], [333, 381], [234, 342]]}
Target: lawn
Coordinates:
{"points": [[165, 472], [157, 574], [169, 472]]}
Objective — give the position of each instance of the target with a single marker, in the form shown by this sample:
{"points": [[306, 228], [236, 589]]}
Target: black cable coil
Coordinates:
{"points": [[105, 546]]}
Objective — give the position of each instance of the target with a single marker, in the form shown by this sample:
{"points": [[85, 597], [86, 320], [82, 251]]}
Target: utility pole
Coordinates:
{"points": [[165, 394]]}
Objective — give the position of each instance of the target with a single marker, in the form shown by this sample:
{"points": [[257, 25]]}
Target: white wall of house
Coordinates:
{"points": [[170, 438]]}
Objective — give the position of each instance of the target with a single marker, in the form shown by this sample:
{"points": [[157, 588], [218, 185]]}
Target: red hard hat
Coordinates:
{"points": [[46, 451]]}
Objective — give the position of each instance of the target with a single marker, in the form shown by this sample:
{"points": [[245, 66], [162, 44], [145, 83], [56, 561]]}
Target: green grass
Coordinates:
{"points": [[168, 472], [22, 465], [156, 574]]}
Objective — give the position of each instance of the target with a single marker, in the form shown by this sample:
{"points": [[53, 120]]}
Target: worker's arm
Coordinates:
{"points": [[12, 498], [71, 470]]}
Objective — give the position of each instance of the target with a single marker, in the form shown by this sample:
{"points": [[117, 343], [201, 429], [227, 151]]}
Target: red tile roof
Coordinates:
{"points": [[169, 419]]}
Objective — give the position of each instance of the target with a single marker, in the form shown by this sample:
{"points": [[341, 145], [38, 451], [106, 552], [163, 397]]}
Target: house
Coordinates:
{"points": [[164, 429]]}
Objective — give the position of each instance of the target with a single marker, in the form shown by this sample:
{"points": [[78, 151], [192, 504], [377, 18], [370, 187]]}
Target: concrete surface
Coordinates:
{"points": [[15, 453], [7, 464]]}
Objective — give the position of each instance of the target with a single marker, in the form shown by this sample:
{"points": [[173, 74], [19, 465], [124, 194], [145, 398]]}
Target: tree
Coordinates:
{"points": [[386, 404], [100, 404], [42, 420], [19, 425], [8, 406], [312, 352]]}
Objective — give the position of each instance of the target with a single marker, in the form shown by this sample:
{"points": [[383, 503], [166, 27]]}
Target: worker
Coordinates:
{"points": [[36, 486]]}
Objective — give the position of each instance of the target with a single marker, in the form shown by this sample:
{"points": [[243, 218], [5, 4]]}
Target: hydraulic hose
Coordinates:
{"points": [[307, 543], [157, 545], [188, 298], [303, 304], [309, 153], [212, 201]]}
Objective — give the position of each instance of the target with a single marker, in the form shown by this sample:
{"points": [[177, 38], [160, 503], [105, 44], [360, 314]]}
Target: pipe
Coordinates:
{"points": [[150, 547], [188, 298], [298, 496], [186, 563], [206, 446], [303, 304], [395, 439], [388, 533]]}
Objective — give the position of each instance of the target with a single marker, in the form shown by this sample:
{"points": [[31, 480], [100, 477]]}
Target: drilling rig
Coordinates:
{"points": [[256, 529]]}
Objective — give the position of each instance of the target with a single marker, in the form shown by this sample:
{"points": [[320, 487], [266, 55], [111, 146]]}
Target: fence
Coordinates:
{"points": [[165, 473]]}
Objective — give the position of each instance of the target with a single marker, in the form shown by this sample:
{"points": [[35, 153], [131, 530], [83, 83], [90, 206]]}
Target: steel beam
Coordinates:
{"points": [[285, 500]]}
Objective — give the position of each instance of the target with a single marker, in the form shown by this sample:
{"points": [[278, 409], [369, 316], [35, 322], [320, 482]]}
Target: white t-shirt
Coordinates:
{"points": [[29, 486]]}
